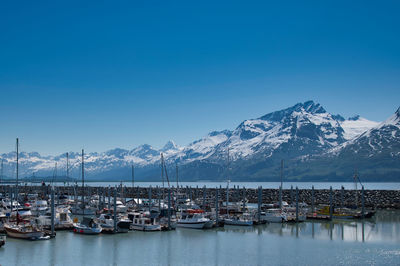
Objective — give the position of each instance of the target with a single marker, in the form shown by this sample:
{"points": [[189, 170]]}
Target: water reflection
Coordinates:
{"points": [[228, 245], [384, 227]]}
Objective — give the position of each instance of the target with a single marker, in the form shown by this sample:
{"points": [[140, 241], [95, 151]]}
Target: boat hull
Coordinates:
{"points": [[239, 223], [194, 225], [23, 235], [87, 230], [146, 228]]}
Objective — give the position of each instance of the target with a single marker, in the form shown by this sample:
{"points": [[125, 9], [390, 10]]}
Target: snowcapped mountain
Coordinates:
{"points": [[383, 138], [305, 129]]}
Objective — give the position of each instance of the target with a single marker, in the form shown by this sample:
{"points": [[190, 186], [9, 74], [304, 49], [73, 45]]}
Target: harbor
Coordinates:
{"points": [[113, 217], [374, 241]]}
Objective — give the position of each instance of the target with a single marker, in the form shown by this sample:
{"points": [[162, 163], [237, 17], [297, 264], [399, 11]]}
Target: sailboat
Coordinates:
{"points": [[22, 229], [88, 226]]}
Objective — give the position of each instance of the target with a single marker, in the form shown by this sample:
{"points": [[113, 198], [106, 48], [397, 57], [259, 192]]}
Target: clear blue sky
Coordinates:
{"points": [[107, 74]]}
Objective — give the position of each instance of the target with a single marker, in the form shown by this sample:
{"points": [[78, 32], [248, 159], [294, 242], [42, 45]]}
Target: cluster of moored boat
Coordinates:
{"points": [[30, 216]]}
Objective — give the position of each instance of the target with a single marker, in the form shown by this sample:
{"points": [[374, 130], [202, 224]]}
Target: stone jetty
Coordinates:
{"points": [[375, 199]]}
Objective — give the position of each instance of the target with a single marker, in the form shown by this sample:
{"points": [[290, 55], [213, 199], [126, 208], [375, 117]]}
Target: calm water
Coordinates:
{"points": [[374, 241], [286, 185]]}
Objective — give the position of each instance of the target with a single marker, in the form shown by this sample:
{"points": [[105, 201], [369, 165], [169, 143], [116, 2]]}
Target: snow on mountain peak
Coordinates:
{"points": [[354, 118], [355, 126], [393, 120], [170, 145], [312, 107]]}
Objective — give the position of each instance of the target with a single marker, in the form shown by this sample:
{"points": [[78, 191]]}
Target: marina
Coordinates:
{"points": [[35, 213], [374, 241]]}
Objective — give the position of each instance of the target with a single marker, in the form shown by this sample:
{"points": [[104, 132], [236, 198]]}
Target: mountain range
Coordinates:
{"points": [[314, 144]]}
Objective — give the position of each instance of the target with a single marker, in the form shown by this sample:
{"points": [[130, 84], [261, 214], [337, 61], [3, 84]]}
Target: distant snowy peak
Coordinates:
{"points": [[170, 145], [309, 107], [394, 120], [355, 126]]}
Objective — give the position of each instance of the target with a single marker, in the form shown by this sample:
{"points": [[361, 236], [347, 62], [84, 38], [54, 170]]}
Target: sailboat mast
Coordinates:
{"points": [[162, 170], [55, 173], [1, 173], [133, 176], [83, 184], [16, 193], [67, 169], [176, 168], [282, 173]]}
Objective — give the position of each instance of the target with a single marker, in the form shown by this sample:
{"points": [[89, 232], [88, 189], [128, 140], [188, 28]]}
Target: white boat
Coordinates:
{"points": [[142, 222], [121, 208], [87, 227], [194, 219], [273, 216], [39, 207], [23, 231], [62, 219], [106, 222], [6, 205], [242, 220]]}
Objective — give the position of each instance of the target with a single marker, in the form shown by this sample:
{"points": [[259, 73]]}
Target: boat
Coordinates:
{"points": [[106, 222], [273, 216], [88, 226], [23, 231], [39, 207], [123, 224], [121, 208], [194, 219], [62, 219], [142, 222], [344, 213], [242, 220]]}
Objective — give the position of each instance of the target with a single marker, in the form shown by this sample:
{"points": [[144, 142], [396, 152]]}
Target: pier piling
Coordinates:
{"points": [[52, 212], [297, 204], [115, 210], [330, 203], [312, 199], [216, 206], [362, 202], [259, 204]]}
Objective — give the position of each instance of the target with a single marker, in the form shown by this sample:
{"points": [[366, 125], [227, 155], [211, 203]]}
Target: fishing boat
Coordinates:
{"points": [[88, 226], [24, 231], [194, 219], [142, 222], [62, 219]]}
